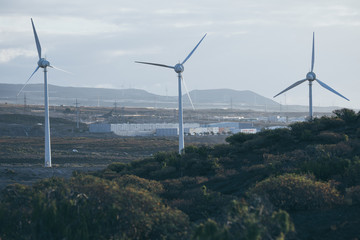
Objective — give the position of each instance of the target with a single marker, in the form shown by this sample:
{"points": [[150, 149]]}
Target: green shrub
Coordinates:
{"points": [[140, 183], [224, 150], [210, 230], [352, 196], [325, 167], [175, 187], [88, 207], [327, 123], [167, 159], [239, 138], [15, 212], [282, 223], [306, 130], [272, 140], [297, 192], [348, 115], [200, 203], [351, 176], [301, 129], [166, 165], [327, 137], [118, 167], [248, 222]]}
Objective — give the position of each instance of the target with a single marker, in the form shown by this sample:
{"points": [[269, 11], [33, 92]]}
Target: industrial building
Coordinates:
{"points": [[171, 129], [150, 129]]}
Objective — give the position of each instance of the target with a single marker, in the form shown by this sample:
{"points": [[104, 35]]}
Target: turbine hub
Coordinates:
{"points": [[179, 68], [43, 63], [311, 76]]}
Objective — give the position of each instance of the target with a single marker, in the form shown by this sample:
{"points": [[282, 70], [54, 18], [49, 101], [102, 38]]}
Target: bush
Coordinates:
{"points": [[325, 167], [248, 222], [200, 203], [118, 167], [272, 140], [224, 150], [306, 130], [328, 123], [239, 138], [348, 115], [327, 137], [174, 187], [352, 196], [297, 192], [302, 130], [167, 165], [15, 212], [140, 183], [88, 207], [281, 223], [351, 176], [210, 230]]}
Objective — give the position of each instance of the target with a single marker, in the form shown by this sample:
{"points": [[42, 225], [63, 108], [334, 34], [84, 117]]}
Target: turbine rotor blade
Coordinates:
{"points": [[330, 89], [313, 53], [193, 50], [187, 92], [292, 86], [27, 81], [38, 46], [156, 64], [60, 69]]}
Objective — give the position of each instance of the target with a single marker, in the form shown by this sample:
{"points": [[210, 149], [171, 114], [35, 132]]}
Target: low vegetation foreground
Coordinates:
{"points": [[301, 182]]}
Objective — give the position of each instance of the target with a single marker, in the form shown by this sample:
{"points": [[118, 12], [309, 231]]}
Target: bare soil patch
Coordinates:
{"points": [[22, 158]]}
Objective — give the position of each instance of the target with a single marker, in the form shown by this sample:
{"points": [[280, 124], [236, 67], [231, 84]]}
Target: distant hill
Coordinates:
{"points": [[229, 98], [202, 99], [86, 96]]}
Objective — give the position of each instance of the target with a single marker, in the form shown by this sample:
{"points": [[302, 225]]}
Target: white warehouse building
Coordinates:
{"points": [[172, 129], [148, 129]]}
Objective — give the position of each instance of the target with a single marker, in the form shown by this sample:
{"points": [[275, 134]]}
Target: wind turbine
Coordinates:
{"points": [[311, 76], [43, 63], [179, 68]]}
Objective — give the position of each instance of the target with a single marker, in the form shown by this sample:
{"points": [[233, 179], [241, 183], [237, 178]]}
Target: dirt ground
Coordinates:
{"points": [[22, 141], [21, 158], [29, 173]]}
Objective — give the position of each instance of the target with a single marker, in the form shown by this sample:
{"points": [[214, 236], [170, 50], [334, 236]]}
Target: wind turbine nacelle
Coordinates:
{"points": [[310, 76], [43, 63], [179, 68]]}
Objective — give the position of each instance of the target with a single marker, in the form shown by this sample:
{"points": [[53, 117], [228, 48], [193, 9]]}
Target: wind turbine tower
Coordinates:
{"points": [[77, 114], [43, 63], [115, 106], [179, 68], [25, 102], [310, 77]]}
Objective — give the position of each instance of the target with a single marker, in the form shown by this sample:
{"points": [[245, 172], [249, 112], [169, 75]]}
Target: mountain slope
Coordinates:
{"points": [[215, 98], [228, 97]]}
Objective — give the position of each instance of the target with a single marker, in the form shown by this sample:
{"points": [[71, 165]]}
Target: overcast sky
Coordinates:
{"points": [[258, 45]]}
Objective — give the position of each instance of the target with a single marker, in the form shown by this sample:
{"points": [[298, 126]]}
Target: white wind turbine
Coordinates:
{"points": [[43, 63], [179, 68], [311, 76]]}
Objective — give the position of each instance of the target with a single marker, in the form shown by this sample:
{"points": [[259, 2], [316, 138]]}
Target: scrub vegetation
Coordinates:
{"points": [[302, 182]]}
